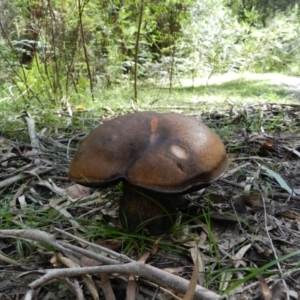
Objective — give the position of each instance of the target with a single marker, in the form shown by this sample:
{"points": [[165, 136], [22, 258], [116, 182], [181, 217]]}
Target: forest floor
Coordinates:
{"points": [[244, 228], [290, 83]]}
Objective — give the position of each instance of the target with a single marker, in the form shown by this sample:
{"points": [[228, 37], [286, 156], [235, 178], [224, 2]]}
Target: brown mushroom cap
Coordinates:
{"points": [[168, 153]]}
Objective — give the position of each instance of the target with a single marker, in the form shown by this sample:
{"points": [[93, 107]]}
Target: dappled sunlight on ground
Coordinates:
{"points": [[267, 78], [222, 91]]}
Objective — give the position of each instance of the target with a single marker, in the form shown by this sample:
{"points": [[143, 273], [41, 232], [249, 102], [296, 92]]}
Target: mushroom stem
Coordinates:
{"points": [[141, 208]]}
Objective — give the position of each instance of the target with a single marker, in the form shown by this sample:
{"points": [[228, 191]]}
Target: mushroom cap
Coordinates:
{"points": [[163, 152]]}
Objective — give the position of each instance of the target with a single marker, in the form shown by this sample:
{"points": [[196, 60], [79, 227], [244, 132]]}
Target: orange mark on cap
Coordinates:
{"points": [[114, 137], [154, 134]]}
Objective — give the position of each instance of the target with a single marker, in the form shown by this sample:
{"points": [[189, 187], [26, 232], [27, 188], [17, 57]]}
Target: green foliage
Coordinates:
{"points": [[248, 12], [253, 272], [257, 13], [210, 37], [72, 47], [276, 46], [82, 53], [216, 42]]}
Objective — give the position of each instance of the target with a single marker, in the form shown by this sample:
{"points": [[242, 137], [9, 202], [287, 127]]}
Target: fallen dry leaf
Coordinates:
{"points": [[78, 191]]}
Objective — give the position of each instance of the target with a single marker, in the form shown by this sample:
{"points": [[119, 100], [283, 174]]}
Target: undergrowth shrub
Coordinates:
{"points": [[210, 37], [215, 42], [275, 47], [80, 47]]}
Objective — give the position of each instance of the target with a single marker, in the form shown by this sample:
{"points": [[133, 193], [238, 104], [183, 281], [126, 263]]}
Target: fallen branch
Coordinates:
{"points": [[121, 257], [153, 274], [21, 176], [35, 143], [52, 142], [43, 237], [160, 277]]}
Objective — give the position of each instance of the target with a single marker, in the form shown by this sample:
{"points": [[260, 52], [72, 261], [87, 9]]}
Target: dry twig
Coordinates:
{"points": [[153, 274]]}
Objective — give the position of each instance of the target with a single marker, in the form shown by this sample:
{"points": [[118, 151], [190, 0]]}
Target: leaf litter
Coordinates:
{"points": [[242, 233]]}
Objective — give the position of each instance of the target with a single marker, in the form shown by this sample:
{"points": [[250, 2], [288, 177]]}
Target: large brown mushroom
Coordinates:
{"points": [[157, 156]]}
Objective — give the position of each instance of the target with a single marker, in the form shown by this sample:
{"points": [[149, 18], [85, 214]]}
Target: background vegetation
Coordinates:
{"points": [[61, 54]]}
